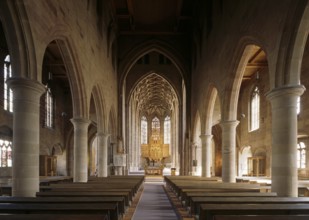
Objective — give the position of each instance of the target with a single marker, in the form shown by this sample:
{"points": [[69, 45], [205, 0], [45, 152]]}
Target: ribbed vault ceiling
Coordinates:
{"points": [[154, 95]]}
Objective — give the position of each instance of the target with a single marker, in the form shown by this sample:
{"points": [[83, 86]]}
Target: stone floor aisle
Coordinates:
{"points": [[154, 204]]}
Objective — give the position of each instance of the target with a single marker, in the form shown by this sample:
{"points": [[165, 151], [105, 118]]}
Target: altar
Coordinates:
{"points": [[153, 171], [155, 153]]}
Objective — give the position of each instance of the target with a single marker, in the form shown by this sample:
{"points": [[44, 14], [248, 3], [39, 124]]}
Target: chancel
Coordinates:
{"points": [[154, 109]]}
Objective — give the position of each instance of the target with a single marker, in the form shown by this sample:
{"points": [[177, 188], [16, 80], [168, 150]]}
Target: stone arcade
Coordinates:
{"points": [[86, 83]]}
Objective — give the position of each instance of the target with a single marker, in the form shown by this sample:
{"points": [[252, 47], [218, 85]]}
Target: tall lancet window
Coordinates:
{"points": [[255, 109], [8, 93], [155, 129], [144, 132], [167, 130], [49, 105]]}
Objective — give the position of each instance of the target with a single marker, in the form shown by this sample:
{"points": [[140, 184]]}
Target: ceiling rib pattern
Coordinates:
{"points": [[154, 95]]}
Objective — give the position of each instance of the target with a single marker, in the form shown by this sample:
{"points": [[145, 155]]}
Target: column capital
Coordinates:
{"points": [[288, 90], [103, 134], [204, 136], [229, 124], [21, 86], [80, 121]]}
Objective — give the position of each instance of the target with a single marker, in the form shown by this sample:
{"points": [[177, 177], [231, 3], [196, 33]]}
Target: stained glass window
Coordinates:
{"points": [[5, 153], [255, 109], [155, 129], [144, 132], [8, 93], [167, 130]]}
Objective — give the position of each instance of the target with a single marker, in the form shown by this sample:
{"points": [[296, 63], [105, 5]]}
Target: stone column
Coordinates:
{"points": [[26, 130], [206, 154], [284, 139], [228, 151], [102, 154], [80, 149]]}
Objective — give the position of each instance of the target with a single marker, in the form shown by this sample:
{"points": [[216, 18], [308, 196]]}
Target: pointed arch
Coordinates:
{"points": [[76, 78], [148, 74], [150, 46], [112, 124], [99, 101], [19, 39], [208, 109], [298, 46], [196, 127], [231, 93]]}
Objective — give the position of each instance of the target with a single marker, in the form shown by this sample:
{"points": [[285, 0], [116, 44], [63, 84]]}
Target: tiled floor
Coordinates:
{"points": [[154, 203]]}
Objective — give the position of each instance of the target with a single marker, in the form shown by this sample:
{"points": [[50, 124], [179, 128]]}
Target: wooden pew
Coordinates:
{"points": [[261, 217], [50, 200], [210, 211], [189, 195], [178, 186], [185, 192], [134, 182], [195, 202], [53, 217], [125, 195], [45, 181], [105, 209], [91, 187]]}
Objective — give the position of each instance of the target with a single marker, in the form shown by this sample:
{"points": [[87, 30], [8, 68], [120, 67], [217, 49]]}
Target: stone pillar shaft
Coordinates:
{"points": [[80, 149], [228, 151], [206, 155], [102, 154], [284, 139], [26, 130]]}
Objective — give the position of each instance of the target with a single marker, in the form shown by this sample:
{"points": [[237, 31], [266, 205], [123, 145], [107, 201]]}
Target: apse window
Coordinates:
{"points": [[155, 129], [5, 153], [167, 130], [8, 93], [144, 132], [301, 155], [255, 110]]}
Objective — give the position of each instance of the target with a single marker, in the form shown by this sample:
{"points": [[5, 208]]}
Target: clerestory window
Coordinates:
{"points": [[255, 110], [49, 109], [167, 130], [8, 93]]}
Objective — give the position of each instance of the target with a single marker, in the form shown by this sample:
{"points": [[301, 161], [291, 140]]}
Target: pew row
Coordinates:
{"points": [[109, 210], [52, 217], [212, 211], [195, 202], [69, 200], [261, 217]]}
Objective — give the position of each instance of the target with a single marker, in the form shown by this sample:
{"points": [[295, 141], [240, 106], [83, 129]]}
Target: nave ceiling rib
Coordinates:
{"points": [[154, 95]]}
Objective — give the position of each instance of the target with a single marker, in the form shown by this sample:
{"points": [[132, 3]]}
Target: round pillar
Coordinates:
{"points": [[80, 149], [206, 155], [284, 139], [26, 130], [229, 151], [102, 154]]}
